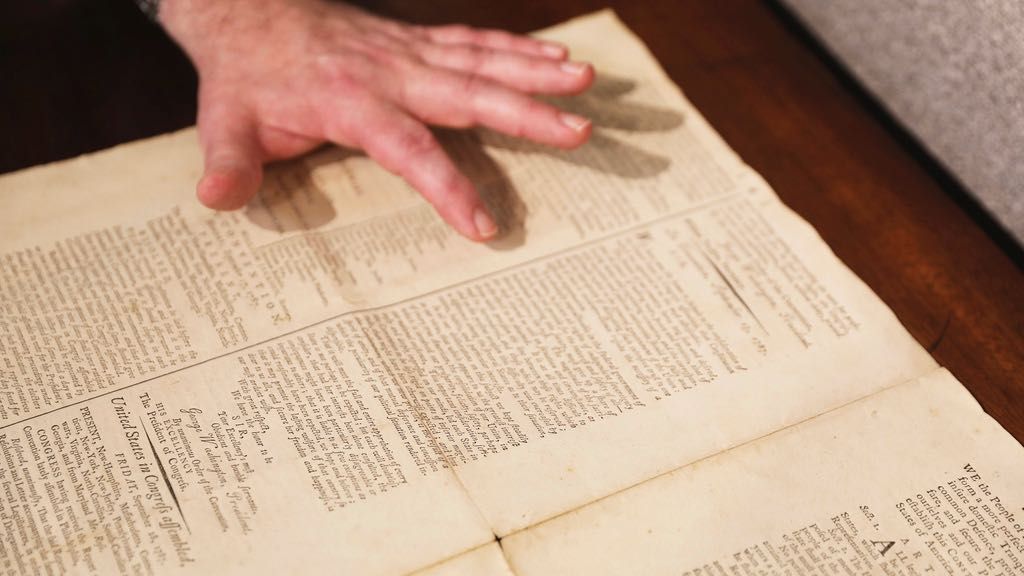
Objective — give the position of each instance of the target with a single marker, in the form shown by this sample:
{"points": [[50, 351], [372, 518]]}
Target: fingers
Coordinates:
{"points": [[497, 40], [407, 148], [458, 100], [233, 166], [527, 73], [277, 144]]}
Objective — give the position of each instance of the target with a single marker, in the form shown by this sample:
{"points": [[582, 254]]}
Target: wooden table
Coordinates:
{"points": [[82, 75]]}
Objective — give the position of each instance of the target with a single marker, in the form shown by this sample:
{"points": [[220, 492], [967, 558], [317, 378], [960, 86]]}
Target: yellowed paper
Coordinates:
{"points": [[913, 480], [487, 559], [332, 378]]}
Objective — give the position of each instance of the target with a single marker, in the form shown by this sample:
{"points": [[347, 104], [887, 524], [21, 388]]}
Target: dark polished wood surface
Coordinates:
{"points": [[81, 75]]}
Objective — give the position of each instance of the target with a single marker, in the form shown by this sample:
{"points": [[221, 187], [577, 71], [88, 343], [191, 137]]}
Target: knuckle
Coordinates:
{"points": [[496, 36], [537, 68], [450, 181], [472, 85], [418, 32], [342, 73], [534, 109], [475, 57], [461, 32], [395, 60], [388, 43], [530, 112], [345, 123], [414, 142], [394, 29], [414, 53]]}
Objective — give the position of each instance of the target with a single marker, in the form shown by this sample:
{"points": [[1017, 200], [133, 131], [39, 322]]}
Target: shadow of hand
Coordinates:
{"points": [[605, 106], [290, 200]]}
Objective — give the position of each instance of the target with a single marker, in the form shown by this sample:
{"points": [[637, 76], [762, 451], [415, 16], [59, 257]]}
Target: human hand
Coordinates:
{"points": [[280, 77]]}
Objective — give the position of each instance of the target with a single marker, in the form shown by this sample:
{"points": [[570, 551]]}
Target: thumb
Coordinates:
{"points": [[232, 157]]}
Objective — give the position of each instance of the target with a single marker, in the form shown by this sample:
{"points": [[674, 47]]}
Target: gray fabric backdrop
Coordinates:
{"points": [[952, 71]]}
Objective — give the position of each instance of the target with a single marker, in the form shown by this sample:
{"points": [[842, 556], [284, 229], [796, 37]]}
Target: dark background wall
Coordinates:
{"points": [[82, 75], [952, 73]]}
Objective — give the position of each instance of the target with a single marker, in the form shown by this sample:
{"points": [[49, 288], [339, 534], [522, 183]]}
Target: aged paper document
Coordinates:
{"points": [[332, 381], [912, 480]]}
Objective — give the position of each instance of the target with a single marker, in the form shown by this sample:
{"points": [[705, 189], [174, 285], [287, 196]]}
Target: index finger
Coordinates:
{"points": [[406, 147], [497, 40]]}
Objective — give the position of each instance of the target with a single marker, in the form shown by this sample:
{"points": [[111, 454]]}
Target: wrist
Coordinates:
{"points": [[211, 31], [204, 28]]}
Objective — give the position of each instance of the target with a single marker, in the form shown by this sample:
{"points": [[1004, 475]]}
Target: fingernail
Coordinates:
{"points": [[575, 68], [485, 225], [577, 123], [554, 50]]}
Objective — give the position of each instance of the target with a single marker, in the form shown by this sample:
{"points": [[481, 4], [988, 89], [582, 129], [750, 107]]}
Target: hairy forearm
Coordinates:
{"points": [[214, 31]]}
